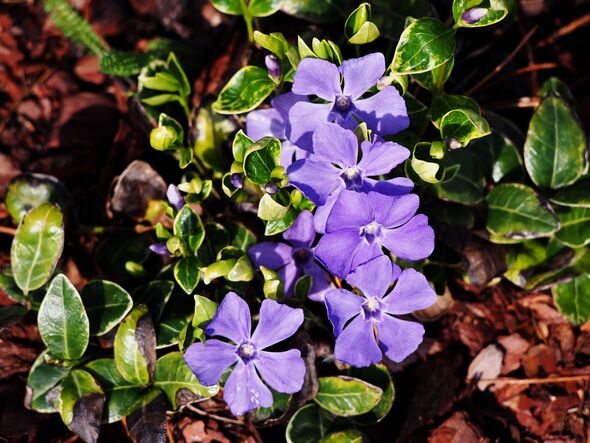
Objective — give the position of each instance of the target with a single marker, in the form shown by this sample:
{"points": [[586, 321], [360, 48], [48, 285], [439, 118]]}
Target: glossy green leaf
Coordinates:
{"points": [[574, 226], [37, 246], [263, 8], [357, 19], [63, 323], [310, 424], [463, 125], [554, 86], [573, 298], [240, 145], [424, 45], [135, 347], [313, 10], [492, 11], [245, 91], [349, 436], [269, 209], [8, 285], [155, 295], [577, 195], [178, 382], [366, 34], [274, 42], [106, 304], [444, 103], [241, 237], [186, 273], [29, 191], [189, 228], [435, 79], [516, 212], [466, 185], [347, 396], [80, 403], [232, 7], [43, 378], [261, 158], [377, 375], [555, 147], [274, 227], [205, 309]]}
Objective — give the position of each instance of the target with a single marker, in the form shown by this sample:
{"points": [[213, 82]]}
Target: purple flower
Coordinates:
{"points": [[356, 319], [334, 167], [160, 249], [175, 197], [385, 112], [295, 261], [274, 122], [243, 390], [273, 65], [474, 15], [359, 225]]}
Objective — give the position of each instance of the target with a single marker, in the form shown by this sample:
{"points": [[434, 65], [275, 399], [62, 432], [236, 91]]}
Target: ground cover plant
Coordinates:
{"points": [[294, 221]]}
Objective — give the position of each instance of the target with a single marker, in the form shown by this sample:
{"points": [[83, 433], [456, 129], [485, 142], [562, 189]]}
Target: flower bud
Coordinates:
{"points": [[474, 15], [273, 65], [175, 197], [271, 188], [453, 143], [237, 180], [160, 249], [163, 137]]}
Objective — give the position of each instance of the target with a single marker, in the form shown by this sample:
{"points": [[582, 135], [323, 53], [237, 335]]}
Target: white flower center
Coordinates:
{"points": [[351, 172], [246, 350], [372, 228]]}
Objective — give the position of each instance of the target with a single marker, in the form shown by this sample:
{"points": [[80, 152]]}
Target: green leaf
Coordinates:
{"points": [[573, 298], [516, 212], [577, 196], [310, 423], [205, 309], [349, 436], [63, 322], [242, 270], [575, 226], [135, 347], [274, 42], [81, 402], [424, 45], [117, 249], [463, 125], [435, 79], [178, 73], [347, 396], [313, 10], [426, 162], [366, 34], [122, 398], [231, 7], [174, 320], [178, 382], [245, 91], [43, 378], [155, 295], [186, 273], [274, 227], [106, 304], [495, 11], [269, 209], [444, 103], [377, 375], [37, 246], [263, 8], [123, 63], [260, 159], [466, 185], [555, 148], [554, 86], [29, 191], [357, 19], [189, 228]]}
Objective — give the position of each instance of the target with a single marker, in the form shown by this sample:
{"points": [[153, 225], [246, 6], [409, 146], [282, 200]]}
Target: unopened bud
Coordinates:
{"points": [[271, 188], [273, 65], [237, 180], [163, 137], [474, 15], [175, 197]]}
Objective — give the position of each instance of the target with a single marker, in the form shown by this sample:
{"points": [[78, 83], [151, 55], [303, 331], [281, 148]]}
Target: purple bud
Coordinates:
{"points": [[474, 15], [160, 249], [237, 180], [453, 143], [271, 188], [175, 197], [273, 65]]}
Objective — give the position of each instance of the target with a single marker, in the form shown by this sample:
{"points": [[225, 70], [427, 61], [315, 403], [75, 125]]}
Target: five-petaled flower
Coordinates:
{"points": [[293, 262], [359, 225], [244, 390], [334, 167], [355, 319], [385, 112]]}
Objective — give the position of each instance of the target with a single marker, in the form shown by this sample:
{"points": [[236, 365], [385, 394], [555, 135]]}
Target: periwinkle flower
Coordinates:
{"points": [[474, 15], [359, 225], [273, 65], [296, 260], [237, 180], [385, 112], [175, 197], [366, 327], [160, 249], [334, 166], [244, 389], [274, 122]]}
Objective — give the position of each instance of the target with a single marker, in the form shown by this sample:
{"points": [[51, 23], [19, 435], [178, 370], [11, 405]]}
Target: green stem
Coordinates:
{"points": [[248, 19]]}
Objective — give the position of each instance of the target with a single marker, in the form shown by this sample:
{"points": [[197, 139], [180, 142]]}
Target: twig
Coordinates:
{"points": [[7, 230], [521, 102], [535, 67], [504, 63], [565, 30], [534, 381], [213, 416]]}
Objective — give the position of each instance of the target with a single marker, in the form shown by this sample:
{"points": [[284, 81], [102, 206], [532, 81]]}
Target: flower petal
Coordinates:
{"points": [[342, 305], [360, 74], [232, 319], [356, 345], [343, 250], [321, 282], [270, 255], [320, 217], [315, 178], [244, 391], [411, 293], [291, 152], [283, 371], [351, 210], [304, 118], [284, 102], [385, 112], [394, 186], [412, 241], [336, 145], [374, 277], [301, 233], [380, 158], [390, 211], [317, 77], [209, 360], [277, 323], [399, 338], [265, 122], [289, 275]]}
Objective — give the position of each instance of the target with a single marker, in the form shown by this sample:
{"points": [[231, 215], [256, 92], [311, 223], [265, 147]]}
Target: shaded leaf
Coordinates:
{"points": [[377, 375], [186, 273], [189, 228], [574, 226], [310, 423], [43, 377], [573, 298], [106, 304], [29, 191], [261, 158]]}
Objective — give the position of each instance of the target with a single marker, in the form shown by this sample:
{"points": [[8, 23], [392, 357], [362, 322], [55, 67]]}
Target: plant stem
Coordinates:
{"points": [[248, 19]]}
